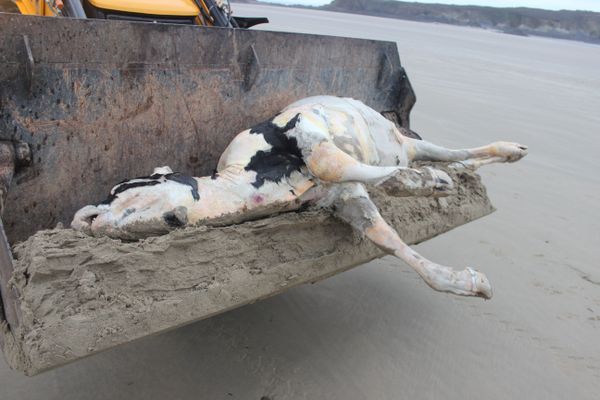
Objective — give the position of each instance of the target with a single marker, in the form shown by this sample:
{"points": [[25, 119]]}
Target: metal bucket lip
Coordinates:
{"points": [[233, 31]]}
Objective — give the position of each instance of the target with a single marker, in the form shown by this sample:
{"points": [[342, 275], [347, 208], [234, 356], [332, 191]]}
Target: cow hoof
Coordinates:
{"points": [[511, 152], [441, 183], [480, 285]]}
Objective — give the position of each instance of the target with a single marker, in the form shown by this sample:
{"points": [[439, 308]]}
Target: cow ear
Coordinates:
{"points": [[162, 170]]}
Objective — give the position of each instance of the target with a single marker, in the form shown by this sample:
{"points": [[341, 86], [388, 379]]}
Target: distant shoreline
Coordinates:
{"points": [[583, 26]]}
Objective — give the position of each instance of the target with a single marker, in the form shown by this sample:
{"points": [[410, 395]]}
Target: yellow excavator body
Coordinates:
{"points": [[187, 12], [198, 12], [151, 7], [148, 7], [34, 7]]}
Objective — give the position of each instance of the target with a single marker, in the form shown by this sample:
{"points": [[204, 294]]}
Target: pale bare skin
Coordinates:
{"points": [[322, 151]]}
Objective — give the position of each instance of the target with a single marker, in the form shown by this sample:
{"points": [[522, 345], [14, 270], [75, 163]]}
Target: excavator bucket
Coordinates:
{"points": [[87, 103]]}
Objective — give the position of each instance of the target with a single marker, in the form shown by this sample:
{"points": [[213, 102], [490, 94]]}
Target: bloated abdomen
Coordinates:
{"points": [[357, 129]]}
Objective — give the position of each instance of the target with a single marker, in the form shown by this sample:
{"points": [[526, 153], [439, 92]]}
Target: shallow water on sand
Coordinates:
{"points": [[378, 332]]}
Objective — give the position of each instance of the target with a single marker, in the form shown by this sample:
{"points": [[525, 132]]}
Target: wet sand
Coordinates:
{"points": [[378, 332]]}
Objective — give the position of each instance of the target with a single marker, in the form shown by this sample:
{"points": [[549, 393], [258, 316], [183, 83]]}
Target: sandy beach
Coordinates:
{"points": [[378, 332]]}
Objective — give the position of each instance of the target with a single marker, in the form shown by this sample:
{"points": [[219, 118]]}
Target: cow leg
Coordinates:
{"points": [[351, 203], [425, 181], [330, 164], [421, 150], [475, 163]]}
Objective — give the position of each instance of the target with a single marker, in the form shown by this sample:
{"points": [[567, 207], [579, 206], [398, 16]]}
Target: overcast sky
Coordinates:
{"points": [[593, 5]]}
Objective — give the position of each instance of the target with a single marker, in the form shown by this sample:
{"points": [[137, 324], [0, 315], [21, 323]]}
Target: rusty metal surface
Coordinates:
{"points": [[102, 101]]}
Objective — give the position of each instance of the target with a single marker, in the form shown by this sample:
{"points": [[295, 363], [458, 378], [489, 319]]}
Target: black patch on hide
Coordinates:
{"points": [[185, 180], [154, 179], [282, 159], [126, 185]]}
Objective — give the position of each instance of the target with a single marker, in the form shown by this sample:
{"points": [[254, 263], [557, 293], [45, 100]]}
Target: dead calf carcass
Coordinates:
{"points": [[92, 113]]}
